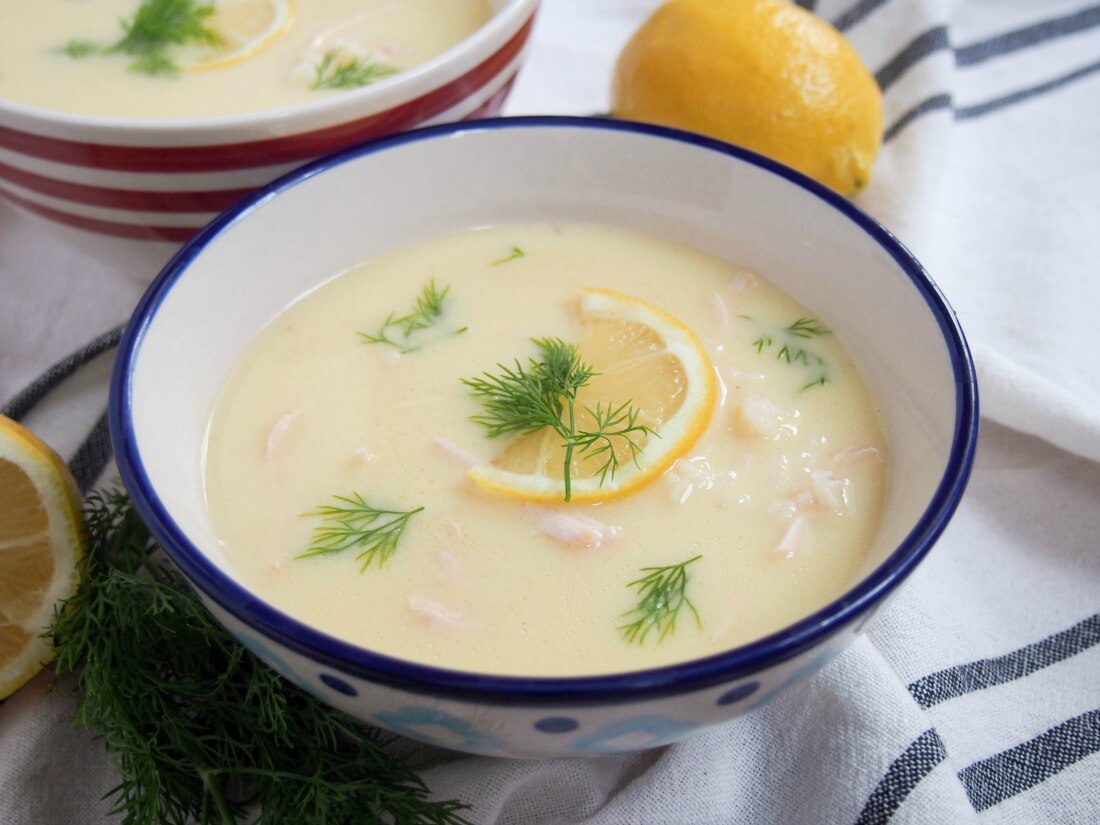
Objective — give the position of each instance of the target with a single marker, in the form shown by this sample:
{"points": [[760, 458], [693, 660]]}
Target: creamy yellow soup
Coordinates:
{"points": [[767, 514], [65, 54]]}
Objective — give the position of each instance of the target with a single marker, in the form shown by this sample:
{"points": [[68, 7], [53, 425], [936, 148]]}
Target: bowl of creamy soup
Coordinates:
{"points": [[617, 435], [145, 118]]}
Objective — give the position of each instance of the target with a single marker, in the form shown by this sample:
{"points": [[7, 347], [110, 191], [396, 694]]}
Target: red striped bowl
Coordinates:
{"points": [[162, 180]]}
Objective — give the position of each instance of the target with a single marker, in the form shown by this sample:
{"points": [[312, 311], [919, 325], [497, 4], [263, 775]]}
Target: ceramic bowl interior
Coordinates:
{"points": [[234, 278], [163, 179]]}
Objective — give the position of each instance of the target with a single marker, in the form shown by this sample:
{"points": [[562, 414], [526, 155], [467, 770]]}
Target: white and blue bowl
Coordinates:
{"points": [[239, 272]]}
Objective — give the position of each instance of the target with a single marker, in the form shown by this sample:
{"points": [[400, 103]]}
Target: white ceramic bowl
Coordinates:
{"points": [[162, 180], [239, 272]]}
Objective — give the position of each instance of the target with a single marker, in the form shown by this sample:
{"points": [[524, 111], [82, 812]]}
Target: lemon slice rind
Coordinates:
{"points": [[248, 45]]}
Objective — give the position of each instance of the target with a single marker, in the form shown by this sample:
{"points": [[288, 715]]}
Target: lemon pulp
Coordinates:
{"points": [[643, 356], [40, 544]]}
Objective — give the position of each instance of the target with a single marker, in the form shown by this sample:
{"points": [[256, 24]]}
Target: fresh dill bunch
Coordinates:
{"points": [[337, 72], [425, 313], [792, 352], [522, 400], [354, 523], [662, 595], [155, 26], [200, 730]]}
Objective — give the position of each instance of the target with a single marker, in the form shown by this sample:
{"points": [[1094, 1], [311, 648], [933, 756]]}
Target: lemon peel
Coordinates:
{"points": [[246, 28]]}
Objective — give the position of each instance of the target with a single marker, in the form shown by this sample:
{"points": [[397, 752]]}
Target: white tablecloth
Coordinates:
{"points": [[976, 695]]}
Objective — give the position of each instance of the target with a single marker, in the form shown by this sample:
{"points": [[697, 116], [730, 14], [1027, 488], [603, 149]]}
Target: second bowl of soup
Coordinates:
{"points": [[144, 118]]}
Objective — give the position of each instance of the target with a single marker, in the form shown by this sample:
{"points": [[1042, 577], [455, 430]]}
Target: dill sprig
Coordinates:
{"points": [[514, 253], [339, 70], [353, 523], [611, 423], [78, 49], [663, 594], [807, 328], [523, 400], [793, 352], [427, 310], [147, 36], [200, 730]]}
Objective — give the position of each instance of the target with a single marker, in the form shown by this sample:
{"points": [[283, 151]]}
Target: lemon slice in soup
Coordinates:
{"points": [[644, 356], [245, 28]]}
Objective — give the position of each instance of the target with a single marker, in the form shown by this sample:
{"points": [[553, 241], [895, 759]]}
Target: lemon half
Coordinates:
{"points": [[40, 546]]}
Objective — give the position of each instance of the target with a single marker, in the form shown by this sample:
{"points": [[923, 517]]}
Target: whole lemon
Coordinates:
{"points": [[763, 74]]}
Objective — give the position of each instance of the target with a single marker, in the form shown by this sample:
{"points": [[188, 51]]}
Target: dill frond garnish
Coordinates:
{"points": [[353, 523], [792, 351], [514, 253], [77, 49], [147, 36], [611, 422], [807, 328], [663, 594], [340, 70], [522, 400], [427, 310], [200, 730], [158, 24]]}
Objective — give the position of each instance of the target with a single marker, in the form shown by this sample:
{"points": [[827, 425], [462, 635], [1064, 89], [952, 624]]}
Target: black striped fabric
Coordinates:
{"points": [[1012, 771], [937, 39], [25, 400], [1017, 769], [944, 101], [924, 44], [904, 774], [1026, 93], [932, 104], [857, 13], [958, 681], [1027, 36], [93, 455]]}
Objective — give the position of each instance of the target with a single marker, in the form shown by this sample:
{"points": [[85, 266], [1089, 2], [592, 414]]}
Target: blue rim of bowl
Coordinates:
{"points": [[351, 660]]}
